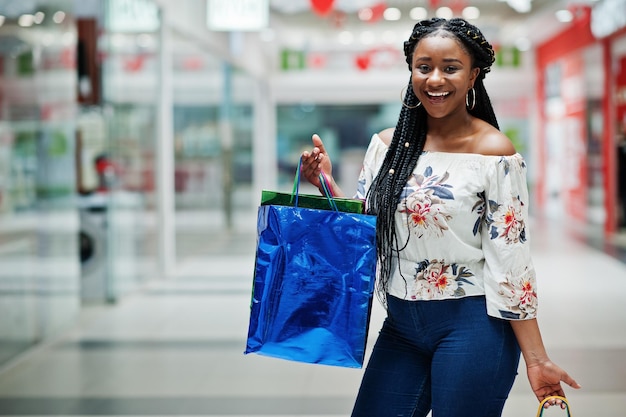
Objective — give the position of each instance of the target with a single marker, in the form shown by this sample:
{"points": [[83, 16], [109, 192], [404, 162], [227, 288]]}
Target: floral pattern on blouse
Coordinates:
{"points": [[521, 295], [425, 206], [461, 226], [507, 222], [435, 279], [480, 207]]}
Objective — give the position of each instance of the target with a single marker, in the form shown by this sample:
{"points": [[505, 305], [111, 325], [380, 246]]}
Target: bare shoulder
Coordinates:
{"points": [[494, 142], [386, 135]]}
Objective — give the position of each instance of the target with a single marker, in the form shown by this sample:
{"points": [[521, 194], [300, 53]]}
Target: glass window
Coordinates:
{"points": [[126, 168], [346, 131], [39, 265]]}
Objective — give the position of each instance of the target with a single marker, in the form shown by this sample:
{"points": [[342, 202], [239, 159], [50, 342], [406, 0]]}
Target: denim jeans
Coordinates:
{"points": [[447, 355]]}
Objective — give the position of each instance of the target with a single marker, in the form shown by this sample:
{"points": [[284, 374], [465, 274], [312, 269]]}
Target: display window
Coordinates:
{"points": [[39, 279]]}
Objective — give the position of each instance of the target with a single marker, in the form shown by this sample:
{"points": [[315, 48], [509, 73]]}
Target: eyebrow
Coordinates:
{"points": [[427, 58]]}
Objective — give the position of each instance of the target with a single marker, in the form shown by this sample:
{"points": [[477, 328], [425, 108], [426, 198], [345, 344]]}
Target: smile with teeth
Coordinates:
{"points": [[437, 95]]}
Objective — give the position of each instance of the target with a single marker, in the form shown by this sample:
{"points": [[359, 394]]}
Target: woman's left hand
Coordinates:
{"points": [[545, 380]]}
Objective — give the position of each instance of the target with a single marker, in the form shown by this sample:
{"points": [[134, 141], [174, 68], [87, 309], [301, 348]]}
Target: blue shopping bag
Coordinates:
{"points": [[313, 284]]}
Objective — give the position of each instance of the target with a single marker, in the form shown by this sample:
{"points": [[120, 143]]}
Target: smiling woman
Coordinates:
{"points": [[454, 267]]}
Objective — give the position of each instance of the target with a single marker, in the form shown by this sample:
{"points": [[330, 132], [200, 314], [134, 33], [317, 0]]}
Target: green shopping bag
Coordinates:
{"points": [[345, 205]]}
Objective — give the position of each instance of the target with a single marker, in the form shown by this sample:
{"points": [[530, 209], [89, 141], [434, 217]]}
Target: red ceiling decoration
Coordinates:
{"points": [[433, 3], [457, 6], [322, 7], [378, 10]]}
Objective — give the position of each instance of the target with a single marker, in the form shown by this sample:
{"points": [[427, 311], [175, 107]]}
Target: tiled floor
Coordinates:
{"points": [[175, 349]]}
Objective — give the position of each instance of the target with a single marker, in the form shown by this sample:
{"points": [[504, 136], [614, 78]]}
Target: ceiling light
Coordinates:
{"points": [[39, 16], [418, 13], [564, 16], [444, 13], [345, 37], [366, 14], [392, 13], [58, 17], [520, 6], [26, 20], [471, 13]]}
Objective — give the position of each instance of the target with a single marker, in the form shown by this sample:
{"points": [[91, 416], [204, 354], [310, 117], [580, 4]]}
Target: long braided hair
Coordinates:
{"points": [[410, 136]]}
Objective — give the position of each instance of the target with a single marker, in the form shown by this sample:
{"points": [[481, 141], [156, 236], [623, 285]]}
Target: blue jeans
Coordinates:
{"points": [[448, 356]]}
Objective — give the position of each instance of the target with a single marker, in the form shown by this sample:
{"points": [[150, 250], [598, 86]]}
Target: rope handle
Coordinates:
{"points": [[553, 397], [328, 191], [295, 191]]}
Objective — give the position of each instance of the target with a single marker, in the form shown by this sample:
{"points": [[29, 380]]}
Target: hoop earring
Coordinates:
{"points": [[419, 103], [467, 100]]}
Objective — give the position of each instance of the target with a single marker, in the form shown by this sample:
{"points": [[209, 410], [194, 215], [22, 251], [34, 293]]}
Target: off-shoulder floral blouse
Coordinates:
{"points": [[465, 218]]}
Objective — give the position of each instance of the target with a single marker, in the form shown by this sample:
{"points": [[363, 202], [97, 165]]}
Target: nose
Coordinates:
{"points": [[436, 77]]}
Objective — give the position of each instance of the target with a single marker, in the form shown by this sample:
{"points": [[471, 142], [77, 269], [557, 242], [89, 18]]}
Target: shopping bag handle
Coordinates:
{"points": [[295, 191], [554, 397]]}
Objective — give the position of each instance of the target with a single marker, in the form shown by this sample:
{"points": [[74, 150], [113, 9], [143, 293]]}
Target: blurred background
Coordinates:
{"points": [[137, 135]]}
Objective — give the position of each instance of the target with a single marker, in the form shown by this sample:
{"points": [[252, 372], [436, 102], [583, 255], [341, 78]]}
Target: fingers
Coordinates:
{"points": [[570, 381], [556, 402], [559, 391], [315, 161], [318, 149], [311, 168], [317, 142], [316, 155], [312, 160], [552, 401]]}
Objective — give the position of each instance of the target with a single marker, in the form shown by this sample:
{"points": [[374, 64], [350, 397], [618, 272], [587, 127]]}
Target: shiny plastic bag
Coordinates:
{"points": [[313, 285]]}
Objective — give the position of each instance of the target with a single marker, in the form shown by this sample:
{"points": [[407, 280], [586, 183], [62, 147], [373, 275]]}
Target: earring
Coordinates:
{"points": [[467, 99], [419, 103]]}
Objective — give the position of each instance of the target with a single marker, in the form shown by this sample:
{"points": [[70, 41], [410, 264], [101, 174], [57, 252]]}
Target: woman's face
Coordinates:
{"points": [[442, 75]]}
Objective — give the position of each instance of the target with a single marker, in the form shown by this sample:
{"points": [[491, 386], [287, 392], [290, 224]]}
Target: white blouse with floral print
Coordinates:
{"points": [[465, 219]]}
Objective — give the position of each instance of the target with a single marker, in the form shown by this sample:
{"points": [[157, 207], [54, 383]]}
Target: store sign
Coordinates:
{"points": [[292, 60], [133, 16], [607, 17], [243, 15]]}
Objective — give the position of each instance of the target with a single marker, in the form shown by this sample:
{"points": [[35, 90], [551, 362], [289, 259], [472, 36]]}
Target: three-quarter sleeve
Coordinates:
{"points": [[372, 161], [509, 275]]}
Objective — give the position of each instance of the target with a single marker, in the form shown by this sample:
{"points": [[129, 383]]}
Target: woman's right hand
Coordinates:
{"points": [[316, 161]]}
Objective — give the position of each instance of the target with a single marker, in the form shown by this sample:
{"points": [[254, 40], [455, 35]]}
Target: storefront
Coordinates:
{"points": [[111, 154], [618, 86], [39, 265], [580, 73], [165, 94]]}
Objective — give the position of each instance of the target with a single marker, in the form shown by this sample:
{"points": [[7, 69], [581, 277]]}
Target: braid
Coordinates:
{"points": [[384, 194], [409, 139]]}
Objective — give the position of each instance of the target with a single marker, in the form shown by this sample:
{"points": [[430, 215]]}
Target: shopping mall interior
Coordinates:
{"points": [[136, 137]]}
